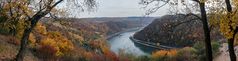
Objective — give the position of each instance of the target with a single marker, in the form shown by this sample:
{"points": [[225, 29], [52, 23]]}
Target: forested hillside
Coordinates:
{"points": [[66, 39], [175, 31], [117, 24], [111, 30]]}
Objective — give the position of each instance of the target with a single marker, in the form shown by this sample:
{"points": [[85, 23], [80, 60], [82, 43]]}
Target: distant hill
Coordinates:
{"points": [[117, 24], [113, 24], [174, 30], [142, 20]]}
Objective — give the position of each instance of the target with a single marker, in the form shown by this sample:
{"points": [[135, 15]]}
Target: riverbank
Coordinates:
{"points": [[149, 44]]}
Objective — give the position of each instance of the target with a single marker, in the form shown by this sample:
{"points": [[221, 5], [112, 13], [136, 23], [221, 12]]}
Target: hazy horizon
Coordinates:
{"points": [[120, 8]]}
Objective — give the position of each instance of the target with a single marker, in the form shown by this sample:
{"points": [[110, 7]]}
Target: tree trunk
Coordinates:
{"points": [[24, 41], [206, 32], [34, 20], [231, 40], [231, 49]]}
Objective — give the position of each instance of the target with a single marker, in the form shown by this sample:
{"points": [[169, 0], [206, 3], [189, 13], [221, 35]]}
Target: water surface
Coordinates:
{"points": [[122, 41]]}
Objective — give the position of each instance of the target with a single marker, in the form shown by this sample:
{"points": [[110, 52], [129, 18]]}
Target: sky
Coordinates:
{"points": [[120, 8]]}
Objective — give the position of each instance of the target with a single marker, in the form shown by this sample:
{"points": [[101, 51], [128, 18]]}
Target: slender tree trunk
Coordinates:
{"points": [[231, 49], [206, 32], [24, 41], [231, 40]]}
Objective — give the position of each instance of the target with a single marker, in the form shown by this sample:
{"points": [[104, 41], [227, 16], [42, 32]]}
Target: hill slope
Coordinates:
{"points": [[174, 30]]}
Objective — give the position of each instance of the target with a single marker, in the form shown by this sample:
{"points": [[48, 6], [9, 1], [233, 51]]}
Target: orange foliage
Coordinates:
{"points": [[163, 53], [109, 54], [88, 55], [172, 53], [53, 43], [160, 53], [32, 40], [58, 42]]}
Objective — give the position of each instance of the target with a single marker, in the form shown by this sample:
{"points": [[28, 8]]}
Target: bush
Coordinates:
{"points": [[4, 31], [200, 47], [54, 45], [187, 54], [109, 54], [164, 55], [215, 48], [47, 52], [143, 58]]}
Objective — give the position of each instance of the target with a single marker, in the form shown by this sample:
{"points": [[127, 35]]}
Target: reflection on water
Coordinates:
{"points": [[122, 41]]}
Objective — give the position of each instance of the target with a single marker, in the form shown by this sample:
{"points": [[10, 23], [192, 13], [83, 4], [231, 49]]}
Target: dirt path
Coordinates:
{"points": [[224, 56]]}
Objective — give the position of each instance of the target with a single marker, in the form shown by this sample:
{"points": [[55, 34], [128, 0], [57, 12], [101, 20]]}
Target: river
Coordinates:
{"points": [[122, 42]]}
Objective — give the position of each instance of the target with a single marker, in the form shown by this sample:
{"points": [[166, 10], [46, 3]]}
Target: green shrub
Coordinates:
{"points": [[143, 58], [200, 47], [1, 48], [215, 48], [4, 31]]}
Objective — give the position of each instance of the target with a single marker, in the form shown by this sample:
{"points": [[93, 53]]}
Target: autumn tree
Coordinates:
{"points": [[233, 30], [225, 17], [30, 12], [13, 16], [203, 17]]}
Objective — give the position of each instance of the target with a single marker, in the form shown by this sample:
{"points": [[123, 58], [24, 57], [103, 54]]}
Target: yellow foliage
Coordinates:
{"points": [[227, 26], [41, 29], [32, 40], [202, 1], [15, 13], [236, 40], [20, 28], [61, 44]]}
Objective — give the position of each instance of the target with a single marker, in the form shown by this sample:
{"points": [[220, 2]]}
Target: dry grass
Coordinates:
{"points": [[9, 39], [7, 51], [9, 48]]}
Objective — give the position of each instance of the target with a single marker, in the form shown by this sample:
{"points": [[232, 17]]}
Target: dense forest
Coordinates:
{"points": [[175, 31]]}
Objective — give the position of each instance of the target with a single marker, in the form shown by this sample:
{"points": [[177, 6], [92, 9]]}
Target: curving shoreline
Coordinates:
{"points": [[123, 43], [149, 44]]}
